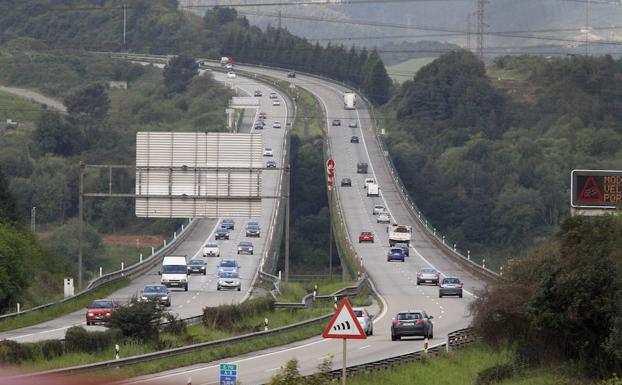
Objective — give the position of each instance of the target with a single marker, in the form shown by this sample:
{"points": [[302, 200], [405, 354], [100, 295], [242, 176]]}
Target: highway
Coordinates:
{"points": [[394, 281], [202, 289]]}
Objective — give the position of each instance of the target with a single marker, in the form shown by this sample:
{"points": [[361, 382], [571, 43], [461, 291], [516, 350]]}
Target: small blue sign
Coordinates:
{"points": [[228, 374]]}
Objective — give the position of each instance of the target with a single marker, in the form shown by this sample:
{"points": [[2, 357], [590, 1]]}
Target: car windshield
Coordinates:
{"points": [[358, 313], [229, 274], [245, 244], [396, 250], [409, 316], [101, 305], [401, 230], [174, 269], [227, 221], [222, 230], [212, 245], [366, 233], [196, 262], [154, 289], [252, 227], [428, 271], [227, 263], [451, 280]]}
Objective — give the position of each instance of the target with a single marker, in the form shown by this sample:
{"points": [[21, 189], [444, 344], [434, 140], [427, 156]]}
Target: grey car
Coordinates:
{"points": [[245, 248], [197, 266], [365, 319], [158, 293], [228, 224], [412, 323], [450, 286], [428, 274], [222, 233], [227, 265], [253, 231], [404, 247]]}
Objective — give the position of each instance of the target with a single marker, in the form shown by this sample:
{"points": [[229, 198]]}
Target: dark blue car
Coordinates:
{"points": [[396, 254]]}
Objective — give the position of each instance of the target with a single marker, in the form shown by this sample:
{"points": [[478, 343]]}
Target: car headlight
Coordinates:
{"points": [[164, 279], [183, 280], [91, 314], [165, 298], [108, 314], [143, 298]]}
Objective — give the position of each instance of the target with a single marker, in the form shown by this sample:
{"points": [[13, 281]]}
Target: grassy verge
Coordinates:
{"points": [[297, 290], [58, 310], [111, 256], [18, 109]]}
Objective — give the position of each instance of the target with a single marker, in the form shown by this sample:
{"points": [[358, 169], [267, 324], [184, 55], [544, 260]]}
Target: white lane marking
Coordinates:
{"points": [[185, 372], [44, 332], [271, 370], [326, 357], [365, 347]]}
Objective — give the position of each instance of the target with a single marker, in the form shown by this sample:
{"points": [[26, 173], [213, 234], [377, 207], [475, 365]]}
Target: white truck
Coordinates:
{"points": [[225, 60], [174, 272], [349, 100], [373, 190], [399, 234]]}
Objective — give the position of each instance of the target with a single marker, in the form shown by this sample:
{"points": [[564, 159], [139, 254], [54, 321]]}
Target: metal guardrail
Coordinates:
{"points": [[176, 351], [128, 272], [308, 300]]}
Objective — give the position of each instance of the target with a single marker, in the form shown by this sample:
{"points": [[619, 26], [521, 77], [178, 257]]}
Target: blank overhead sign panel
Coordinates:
{"points": [[193, 174], [596, 188]]}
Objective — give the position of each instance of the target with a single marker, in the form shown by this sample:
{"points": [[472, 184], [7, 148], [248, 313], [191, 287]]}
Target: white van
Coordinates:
{"points": [[174, 272], [373, 190]]}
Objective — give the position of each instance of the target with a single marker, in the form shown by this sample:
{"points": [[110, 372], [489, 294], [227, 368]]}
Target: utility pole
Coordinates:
{"points": [[81, 220], [288, 196], [468, 36], [587, 27], [280, 20], [33, 219], [124, 23], [480, 28]]}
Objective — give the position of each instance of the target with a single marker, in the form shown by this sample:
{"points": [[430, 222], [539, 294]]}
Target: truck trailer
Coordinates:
{"points": [[349, 100]]}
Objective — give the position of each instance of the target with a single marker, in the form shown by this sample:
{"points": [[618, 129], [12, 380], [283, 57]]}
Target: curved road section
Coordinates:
{"points": [[202, 289], [394, 281]]}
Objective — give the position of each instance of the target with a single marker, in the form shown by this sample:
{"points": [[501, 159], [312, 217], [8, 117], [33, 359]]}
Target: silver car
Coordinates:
{"points": [[377, 209], [383, 217], [450, 286], [365, 319], [428, 274], [229, 280]]}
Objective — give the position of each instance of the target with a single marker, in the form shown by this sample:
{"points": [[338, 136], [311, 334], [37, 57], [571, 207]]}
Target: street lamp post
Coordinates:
{"points": [[33, 219]]}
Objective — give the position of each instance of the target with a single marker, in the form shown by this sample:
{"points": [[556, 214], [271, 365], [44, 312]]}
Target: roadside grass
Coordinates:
{"points": [[297, 290], [58, 310], [404, 71], [111, 256], [309, 112], [18, 109], [504, 74]]}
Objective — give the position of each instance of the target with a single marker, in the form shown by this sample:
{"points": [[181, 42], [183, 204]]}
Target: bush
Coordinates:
{"points": [[138, 320], [495, 374], [78, 340], [51, 348], [174, 325], [223, 316], [12, 352]]}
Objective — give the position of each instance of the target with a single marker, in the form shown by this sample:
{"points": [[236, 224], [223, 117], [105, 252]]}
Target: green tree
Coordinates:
{"points": [[90, 103], [8, 209], [376, 82], [63, 243], [55, 136], [138, 319], [178, 73]]}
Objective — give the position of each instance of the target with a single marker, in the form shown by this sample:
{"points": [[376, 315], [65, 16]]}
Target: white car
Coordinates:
{"points": [[231, 75], [211, 250], [276, 103], [368, 181], [383, 218], [276, 125], [267, 152], [273, 95], [229, 66], [377, 209]]}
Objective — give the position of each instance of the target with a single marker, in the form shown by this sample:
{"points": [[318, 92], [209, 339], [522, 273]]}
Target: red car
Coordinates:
{"points": [[366, 236], [99, 311], [263, 116]]}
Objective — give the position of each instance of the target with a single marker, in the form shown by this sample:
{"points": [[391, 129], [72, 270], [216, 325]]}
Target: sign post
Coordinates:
{"points": [[228, 374], [344, 325], [596, 191]]}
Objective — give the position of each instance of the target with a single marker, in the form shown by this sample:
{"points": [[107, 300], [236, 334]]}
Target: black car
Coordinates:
{"points": [[228, 224], [291, 74], [336, 122], [258, 93], [346, 182], [253, 231], [354, 139], [412, 323], [222, 233], [197, 266], [157, 293], [271, 164]]}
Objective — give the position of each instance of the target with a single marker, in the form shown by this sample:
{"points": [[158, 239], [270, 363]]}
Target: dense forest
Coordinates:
{"points": [[488, 160]]}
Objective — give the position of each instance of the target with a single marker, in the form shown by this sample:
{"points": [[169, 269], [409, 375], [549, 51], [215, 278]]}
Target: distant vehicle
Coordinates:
{"points": [[252, 223], [225, 265], [99, 311], [174, 272], [395, 253], [373, 190], [253, 231], [428, 274], [336, 122], [361, 168], [267, 152], [365, 320], [404, 247], [231, 75], [197, 266], [412, 323], [245, 248], [229, 280], [450, 286], [225, 60], [260, 123], [271, 164], [211, 250], [229, 66], [354, 139], [222, 233], [273, 95], [346, 182], [157, 293], [276, 103], [258, 93], [258, 126], [11, 124], [349, 100], [276, 125], [367, 182], [263, 116], [291, 74], [228, 224], [378, 208], [366, 236], [399, 233], [353, 124], [383, 218]]}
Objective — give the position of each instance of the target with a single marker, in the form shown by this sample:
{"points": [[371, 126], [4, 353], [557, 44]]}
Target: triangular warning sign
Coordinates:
{"points": [[344, 323], [590, 191]]}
